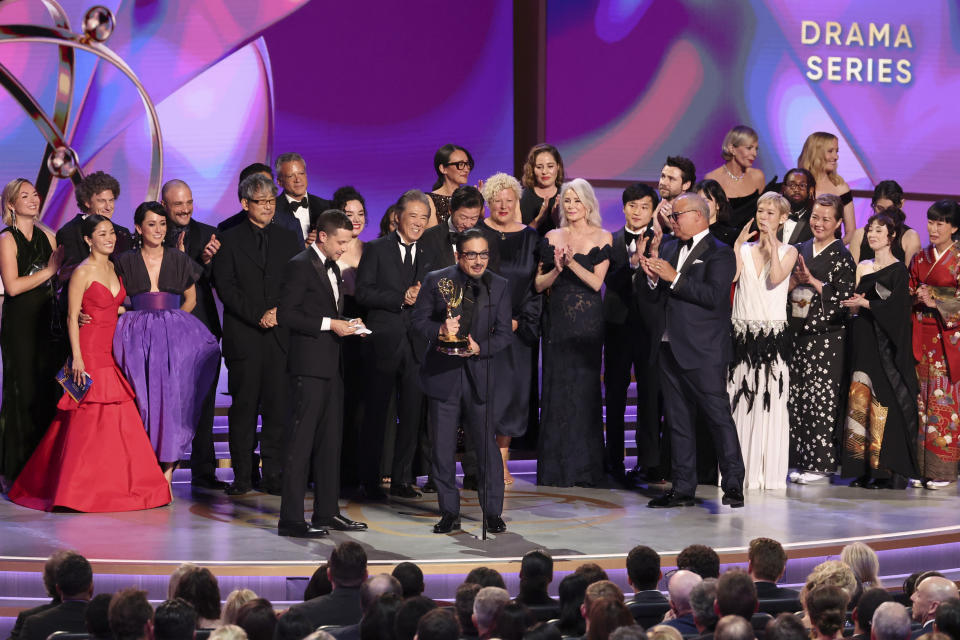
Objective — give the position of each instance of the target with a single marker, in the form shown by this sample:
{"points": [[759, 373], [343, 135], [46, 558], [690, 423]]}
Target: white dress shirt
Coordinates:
{"points": [[325, 324], [302, 213]]}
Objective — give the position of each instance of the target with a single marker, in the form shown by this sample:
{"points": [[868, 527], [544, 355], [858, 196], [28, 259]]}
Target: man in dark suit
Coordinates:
{"points": [[370, 591], [799, 187], [466, 206], [50, 584], [311, 308], [766, 563], [295, 206], [643, 573], [130, 615], [347, 570], [456, 385], [536, 574], [681, 585], [247, 273], [388, 282], [626, 342], [862, 614], [241, 216], [199, 241], [688, 286], [926, 598], [74, 580]]}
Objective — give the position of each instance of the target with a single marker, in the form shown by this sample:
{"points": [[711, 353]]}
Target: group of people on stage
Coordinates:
{"points": [[758, 342]]}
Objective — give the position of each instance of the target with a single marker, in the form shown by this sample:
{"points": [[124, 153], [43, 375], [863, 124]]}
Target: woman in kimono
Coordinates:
{"points": [[880, 443], [823, 278], [935, 286]]}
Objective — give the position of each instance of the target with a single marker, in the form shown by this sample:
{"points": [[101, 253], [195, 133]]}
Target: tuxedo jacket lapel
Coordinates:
{"points": [[248, 245], [324, 278], [695, 253]]}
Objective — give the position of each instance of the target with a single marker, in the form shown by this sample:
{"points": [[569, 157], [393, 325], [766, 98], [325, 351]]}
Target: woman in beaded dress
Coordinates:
{"points": [[453, 165]]}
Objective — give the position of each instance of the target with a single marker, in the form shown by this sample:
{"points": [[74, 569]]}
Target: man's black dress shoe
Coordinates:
{"points": [[338, 522], [299, 530], [429, 486], [733, 498], [208, 482], [495, 524], [862, 481], [236, 489], [448, 522], [404, 491], [470, 483], [671, 499]]}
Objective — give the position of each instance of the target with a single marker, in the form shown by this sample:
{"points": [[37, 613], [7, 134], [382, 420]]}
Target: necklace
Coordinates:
{"points": [[733, 177]]}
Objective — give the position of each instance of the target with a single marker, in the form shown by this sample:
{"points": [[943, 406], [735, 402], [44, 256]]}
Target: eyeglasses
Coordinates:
{"points": [[461, 165], [676, 214], [474, 255], [265, 202], [800, 186]]}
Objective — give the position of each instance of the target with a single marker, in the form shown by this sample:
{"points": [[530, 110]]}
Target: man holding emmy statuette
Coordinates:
{"points": [[464, 313]]}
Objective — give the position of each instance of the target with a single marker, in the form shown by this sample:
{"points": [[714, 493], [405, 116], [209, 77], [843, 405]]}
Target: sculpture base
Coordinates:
{"points": [[454, 347]]}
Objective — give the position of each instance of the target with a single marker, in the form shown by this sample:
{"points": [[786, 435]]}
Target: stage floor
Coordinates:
{"points": [[239, 534]]}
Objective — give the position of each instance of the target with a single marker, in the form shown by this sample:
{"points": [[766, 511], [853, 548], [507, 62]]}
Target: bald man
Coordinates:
{"points": [[680, 585], [927, 597]]}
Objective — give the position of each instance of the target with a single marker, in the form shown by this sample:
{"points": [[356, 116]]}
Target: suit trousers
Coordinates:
{"points": [[258, 384], [703, 388], [315, 435], [203, 457], [443, 416], [626, 348]]}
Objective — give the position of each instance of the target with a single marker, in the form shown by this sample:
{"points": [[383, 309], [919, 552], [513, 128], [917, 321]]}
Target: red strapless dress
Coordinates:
{"points": [[96, 455]]}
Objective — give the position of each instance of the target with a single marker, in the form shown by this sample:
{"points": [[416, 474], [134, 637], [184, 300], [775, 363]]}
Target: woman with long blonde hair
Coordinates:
{"points": [[820, 156]]}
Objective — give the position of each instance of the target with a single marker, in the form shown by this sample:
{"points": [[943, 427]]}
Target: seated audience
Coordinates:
{"points": [[409, 614], [786, 626], [703, 599], [379, 619], [547, 631], [175, 620], [50, 584], [258, 619], [439, 624], [926, 599], [766, 562], [862, 614], [663, 632], [292, 625], [890, 622], [592, 572], [176, 576], [230, 632], [536, 574], [236, 599], [347, 571], [736, 595], [97, 617], [947, 619], [511, 622], [199, 587], [463, 605], [319, 584], [680, 586], [130, 614], [571, 590], [370, 591], [864, 562], [700, 559], [485, 577], [74, 583], [826, 608], [410, 577], [831, 573], [598, 590], [733, 628], [630, 632], [643, 574], [486, 608], [605, 615]]}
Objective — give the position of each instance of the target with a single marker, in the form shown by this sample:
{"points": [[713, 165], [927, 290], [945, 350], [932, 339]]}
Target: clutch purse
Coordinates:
{"points": [[70, 386]]}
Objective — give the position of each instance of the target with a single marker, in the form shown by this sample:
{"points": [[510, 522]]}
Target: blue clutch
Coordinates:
{"points": [[70, 386]]}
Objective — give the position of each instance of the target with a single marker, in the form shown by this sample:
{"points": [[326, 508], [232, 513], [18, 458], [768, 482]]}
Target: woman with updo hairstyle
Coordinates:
{"points": [[453, 165], [880, 435], [935, 287], [258, 619], [888, 198], [720, 210], [96, 455], [573, 263], [168, 355], [606, 615], [819, 156], [29, 260], [826, 608], [513, 249], [542, 177], [738, 178], [831, 573]]}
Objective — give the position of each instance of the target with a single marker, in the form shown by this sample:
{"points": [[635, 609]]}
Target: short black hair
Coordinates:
{"points": [[329, 222], [348, 560], [463, 603], [379, 619], [536, 570], [700, 559], [767, 558], [511, 621], [410, 577], [888, 190], [293, 625], [174, 620], [91, 185], [484, 576], [409, 614], [643, 567], [713, 191], [592, 572], [97, 617], [811, 181], [129, 613], [140, 214], [74, 576], [542, 631], [867, 606], [947, 619], [639, 190], [442, 156], [249, 170], [439, 624], [462, 239], [258, 619], [736, 594], [199, 587], [688, 171], [945, 211], [466, 197]]}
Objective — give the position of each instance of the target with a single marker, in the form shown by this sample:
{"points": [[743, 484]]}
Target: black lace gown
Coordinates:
{"points": [[571, 415]]}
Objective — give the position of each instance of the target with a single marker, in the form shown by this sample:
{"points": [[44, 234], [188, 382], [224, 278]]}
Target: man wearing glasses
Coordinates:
{"points": [[686, 286], [247, 273], [457, 385], [798, 187]]}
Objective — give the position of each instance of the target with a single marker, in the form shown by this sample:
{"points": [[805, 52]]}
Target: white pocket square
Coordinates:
{"points": [[698, 261]]}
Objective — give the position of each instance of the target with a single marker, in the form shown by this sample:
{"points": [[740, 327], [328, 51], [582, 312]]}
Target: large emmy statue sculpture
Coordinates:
{"points": [[453, 295]]}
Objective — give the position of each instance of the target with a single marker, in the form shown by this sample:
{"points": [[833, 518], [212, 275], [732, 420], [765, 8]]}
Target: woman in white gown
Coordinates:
{"points": [[758, 382]]}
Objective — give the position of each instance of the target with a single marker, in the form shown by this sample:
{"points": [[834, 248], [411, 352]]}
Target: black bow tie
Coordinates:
{"points": [[630, 237], [452, 237], [329, 264], [296, 204], [797, 216], [688, 243]]}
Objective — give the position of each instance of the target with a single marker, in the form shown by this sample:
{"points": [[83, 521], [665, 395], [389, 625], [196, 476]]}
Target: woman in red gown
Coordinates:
{"points": [[96, 455]]}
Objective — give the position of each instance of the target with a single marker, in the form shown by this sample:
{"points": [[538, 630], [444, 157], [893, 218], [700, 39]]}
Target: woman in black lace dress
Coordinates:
{"points": [[573, 262], [453, 165]]}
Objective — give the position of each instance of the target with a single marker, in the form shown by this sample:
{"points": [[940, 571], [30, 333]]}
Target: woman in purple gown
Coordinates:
{"points": [[168, 355]]}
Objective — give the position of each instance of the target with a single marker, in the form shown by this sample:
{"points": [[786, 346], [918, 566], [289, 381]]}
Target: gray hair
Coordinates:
{"points": [[734, 628], [589, 199], [630, 632], [413, 195], [487, 605], [284, 158], [377, 585], [228, 632], [257, 183], [890, 622], [497, 183], [698, 202], [701, 601]]}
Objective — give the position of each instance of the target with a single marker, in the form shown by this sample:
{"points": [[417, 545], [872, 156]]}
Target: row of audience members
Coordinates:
{"points": [[840, 598]]}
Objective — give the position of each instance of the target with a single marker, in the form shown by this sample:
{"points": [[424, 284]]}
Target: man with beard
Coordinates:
{"points": [[799, 188]]}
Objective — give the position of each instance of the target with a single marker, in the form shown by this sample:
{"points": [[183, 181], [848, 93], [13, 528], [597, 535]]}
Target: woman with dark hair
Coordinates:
{"points": [[453, 165], [96, 455], [826, 608], [167, 354], [542, 631], [258, 619], [571, 592], [542, 177], [824, 276], [935, 287], [820, 156], [606, 615], [511, 622], [880, 437], [378, 620], [31, 354], [888, 198], [319, 584], [200, 588], [388, 223], [720, 227]]}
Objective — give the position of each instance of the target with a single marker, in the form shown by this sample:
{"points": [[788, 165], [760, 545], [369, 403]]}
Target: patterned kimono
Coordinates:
{"points": [[936, 347]]}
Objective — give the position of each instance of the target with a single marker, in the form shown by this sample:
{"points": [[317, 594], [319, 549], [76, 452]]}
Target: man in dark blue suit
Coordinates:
{"points": [[688, 284], [456, 385]]}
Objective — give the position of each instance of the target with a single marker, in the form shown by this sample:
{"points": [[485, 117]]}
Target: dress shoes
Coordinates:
{"points": [[237, 489], [404, 491], [671, 499], [448, 522], [208, 482], [495, 524], [733, 498], [300, 530], [339, 523]]}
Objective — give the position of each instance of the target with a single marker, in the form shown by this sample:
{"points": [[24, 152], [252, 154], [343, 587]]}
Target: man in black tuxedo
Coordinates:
{"points": [[626, 342], [241, 216], [294, 204], [199, 241], [74, 583], [799, 187], [466, 207], [50, 584], [457, 385], [688, 287], [247, 273], [388, 282], [347, 571], [311, 307]]}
